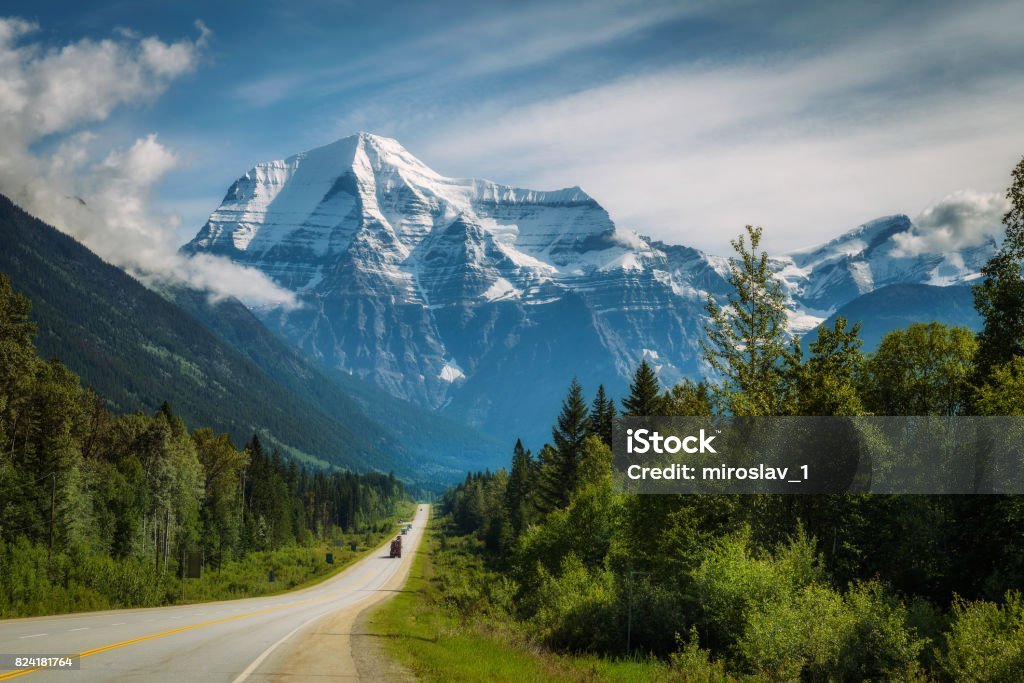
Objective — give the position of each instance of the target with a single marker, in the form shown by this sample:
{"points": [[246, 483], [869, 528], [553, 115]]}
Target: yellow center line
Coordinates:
{"points": [[161, 634]]}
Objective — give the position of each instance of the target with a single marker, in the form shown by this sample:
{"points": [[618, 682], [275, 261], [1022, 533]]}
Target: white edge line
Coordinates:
{"points": [[34, 635], [242, 677], [266, 653]]}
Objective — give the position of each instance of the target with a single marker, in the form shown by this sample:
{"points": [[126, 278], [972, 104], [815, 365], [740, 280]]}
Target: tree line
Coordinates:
{"points": [[78, 482], [813, 588]]}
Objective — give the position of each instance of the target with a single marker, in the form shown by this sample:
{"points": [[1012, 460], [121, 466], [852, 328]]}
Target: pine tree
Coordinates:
{"points": [[558, 472], [549, 493], [999, 298], [746, 338], [520, 486], [571, 428], [602, 416], [644, 393], [569, 434]]}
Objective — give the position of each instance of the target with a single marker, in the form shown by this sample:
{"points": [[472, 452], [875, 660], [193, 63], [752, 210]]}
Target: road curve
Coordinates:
{"points": [[254, 639]]}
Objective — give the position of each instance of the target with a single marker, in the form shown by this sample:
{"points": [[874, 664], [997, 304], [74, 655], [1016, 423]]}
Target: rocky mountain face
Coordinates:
{"points": [[483, 300]]}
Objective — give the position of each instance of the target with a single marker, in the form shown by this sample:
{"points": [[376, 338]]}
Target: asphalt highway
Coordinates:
{"points": [[290, 636]]}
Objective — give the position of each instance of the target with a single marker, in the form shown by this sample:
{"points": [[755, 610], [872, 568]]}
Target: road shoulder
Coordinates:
{"points": [[372, 663], [338, 646]]}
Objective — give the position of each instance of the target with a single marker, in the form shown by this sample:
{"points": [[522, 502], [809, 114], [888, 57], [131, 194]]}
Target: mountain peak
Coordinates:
{"points": [[354, 151], [407, 274], [853, 242]]}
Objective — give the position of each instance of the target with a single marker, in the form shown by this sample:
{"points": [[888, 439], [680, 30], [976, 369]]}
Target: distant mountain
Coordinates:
{"points": [[483, 300], [871, 257], [138, 349], [898, 306], [438, 447]]}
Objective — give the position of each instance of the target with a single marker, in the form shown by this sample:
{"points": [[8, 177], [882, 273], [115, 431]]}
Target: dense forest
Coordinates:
{"points": [[99, 509], [770, 587]]}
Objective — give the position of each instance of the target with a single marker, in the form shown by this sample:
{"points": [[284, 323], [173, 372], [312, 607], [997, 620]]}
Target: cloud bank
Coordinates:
{"points": [[961, 220], [102, 197], [806, 141]]}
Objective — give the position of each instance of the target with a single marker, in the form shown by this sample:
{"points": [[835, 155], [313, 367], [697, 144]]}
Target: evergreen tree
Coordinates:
{"points": [[644, 393], [17, 357], [746, 338], [602, 416], [549, 493], [520, 487], [557, 476], [94, 497], [999, 298], [571, 429]]}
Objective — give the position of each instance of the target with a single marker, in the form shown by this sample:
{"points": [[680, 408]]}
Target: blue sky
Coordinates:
{"points": [[686, 120]]}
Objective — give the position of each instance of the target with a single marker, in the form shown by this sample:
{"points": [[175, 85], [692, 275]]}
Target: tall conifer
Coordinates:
{"points": [[602, 416], [644, 393]]}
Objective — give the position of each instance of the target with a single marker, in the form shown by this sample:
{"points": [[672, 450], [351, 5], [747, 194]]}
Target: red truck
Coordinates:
{"points": [[396, 547]]}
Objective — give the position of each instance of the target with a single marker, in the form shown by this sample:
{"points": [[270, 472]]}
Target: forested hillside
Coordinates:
{"points": [[138, 349], [769, 587], [97, 509]]}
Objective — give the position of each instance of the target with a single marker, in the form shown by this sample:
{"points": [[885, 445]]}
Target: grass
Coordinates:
{"points": [[434, 642], [294, 568], [31, 585]]}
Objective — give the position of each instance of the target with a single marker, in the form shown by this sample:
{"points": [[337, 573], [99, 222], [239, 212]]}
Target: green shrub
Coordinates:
{"points": [[818, 634], [576, 609], [985, 641], [796, 637], [691, 664], [882, 643], [732, 581]]}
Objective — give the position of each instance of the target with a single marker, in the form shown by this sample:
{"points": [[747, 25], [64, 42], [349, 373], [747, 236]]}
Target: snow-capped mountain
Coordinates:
{"points": [[870, 257], [483, 299]]}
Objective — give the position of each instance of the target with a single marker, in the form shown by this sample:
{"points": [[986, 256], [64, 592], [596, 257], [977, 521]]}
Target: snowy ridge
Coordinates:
{"points": [[401, 270]]}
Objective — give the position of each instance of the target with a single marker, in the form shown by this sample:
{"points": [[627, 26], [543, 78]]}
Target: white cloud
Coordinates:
{"points": [[482, 43], [142, 164], [962, 219], [103, 197], [807, 143]]}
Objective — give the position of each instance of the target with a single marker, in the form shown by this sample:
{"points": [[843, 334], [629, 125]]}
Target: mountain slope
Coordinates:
{"points": [[869, 258], [138, 349], [897, 306], [435, 443], [483, 300]]}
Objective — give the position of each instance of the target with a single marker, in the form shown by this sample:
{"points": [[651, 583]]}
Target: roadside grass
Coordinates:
{"points": [[34, 585], [294, 568], [429, 638]]}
